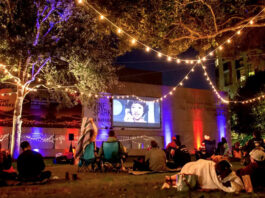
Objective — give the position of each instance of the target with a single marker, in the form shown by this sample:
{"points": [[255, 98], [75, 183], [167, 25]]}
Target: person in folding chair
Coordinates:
{"points": [[86, 147], [112, 154]]}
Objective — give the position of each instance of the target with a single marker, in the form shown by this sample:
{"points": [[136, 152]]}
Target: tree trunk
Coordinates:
{"points": [[17, 124]]}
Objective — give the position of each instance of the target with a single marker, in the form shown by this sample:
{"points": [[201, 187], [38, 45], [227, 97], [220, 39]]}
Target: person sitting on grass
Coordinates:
{"points": [[256, 169], [6, 170], [211, 176], [30, 165], [236, 152], [156, 158]]}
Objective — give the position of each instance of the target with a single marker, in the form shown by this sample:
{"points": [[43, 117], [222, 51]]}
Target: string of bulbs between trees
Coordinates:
{"points": [[119, 31]]}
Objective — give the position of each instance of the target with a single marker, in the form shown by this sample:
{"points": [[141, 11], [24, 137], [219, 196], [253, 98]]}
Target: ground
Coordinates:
{"points": [[106, 185]]}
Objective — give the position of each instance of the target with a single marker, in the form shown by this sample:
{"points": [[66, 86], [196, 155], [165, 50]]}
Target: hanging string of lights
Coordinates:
{"points": [[147, 49], [224, 100], [134, 41]]}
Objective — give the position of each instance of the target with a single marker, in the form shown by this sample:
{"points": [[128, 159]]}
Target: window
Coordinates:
{"points": [[227, 66], [252, 73], [239, 63], [242, 78]]}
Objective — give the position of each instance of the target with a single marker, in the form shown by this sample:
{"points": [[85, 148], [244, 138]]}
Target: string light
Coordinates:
{"points": [[228, 40], [101, 17], [159, 54], [169, 58], [147, 49], [119, 30], [222, 98], [133, 41]]}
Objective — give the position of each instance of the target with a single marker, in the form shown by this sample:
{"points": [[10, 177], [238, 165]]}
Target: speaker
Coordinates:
{"points": [[71, 137]]}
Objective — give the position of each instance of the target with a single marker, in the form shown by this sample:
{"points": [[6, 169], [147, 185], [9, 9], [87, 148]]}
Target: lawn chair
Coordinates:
{"points": [[111, 158], [87, 158]]}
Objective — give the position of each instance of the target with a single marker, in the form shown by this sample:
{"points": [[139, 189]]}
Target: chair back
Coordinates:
{"points": [[111, 150], [89, 152]]}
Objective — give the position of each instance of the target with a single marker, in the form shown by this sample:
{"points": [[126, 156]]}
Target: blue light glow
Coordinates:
{"points": [[167, 121], [221, 124]]}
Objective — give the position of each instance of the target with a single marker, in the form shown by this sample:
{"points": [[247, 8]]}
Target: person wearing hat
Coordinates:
{"points": [[256, 169]]}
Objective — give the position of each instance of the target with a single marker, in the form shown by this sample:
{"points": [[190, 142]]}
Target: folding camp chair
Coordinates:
{"points": [[111, 156], [87, 158]]}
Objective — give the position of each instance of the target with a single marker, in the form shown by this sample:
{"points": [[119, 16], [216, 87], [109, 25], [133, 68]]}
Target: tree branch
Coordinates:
{"points": [[228, 20], [190, 37], [38, 71], [212, 12]]}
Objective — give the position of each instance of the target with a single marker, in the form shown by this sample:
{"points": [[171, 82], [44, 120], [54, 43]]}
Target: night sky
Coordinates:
{"points": [[172, 72]]}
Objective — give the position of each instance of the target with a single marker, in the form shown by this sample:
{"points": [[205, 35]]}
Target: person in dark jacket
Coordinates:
{"points": [[256, 169], [5, 167], [255, 142], [30, 165]]}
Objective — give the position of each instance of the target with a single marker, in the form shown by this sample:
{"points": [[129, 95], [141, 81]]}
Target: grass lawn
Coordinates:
{"points": [[106, 185]]}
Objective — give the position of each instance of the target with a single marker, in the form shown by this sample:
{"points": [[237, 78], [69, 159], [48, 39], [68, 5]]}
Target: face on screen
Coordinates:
{"points": [[134, 113], [137, 111]]}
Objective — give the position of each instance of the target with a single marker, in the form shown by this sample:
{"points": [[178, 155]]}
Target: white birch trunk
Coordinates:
{"points": [[17, 124]]}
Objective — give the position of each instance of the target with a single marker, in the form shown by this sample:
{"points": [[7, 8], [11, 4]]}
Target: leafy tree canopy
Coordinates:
{"points": [[79, 52], [250, 117], [173, 26]]}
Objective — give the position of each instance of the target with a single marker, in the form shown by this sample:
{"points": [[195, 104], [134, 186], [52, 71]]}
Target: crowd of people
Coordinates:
{"points": [[212, 166]]}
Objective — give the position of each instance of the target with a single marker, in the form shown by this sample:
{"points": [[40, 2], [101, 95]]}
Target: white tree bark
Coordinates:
{"points": [[17, 124]]}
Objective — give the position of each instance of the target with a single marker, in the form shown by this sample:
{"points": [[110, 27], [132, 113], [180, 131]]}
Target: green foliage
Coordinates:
{"points": [[249, 117], [82, 52]]}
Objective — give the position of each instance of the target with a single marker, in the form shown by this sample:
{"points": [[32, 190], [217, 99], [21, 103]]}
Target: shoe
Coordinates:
{"points": [[165, 186]]}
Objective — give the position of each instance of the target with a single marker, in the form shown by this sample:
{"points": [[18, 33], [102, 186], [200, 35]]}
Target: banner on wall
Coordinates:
{"points": [[7, 102], [101, 113]]}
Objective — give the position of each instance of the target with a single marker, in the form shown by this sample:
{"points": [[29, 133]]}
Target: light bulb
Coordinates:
{"points": [[220, 48], [228, 41], [80, 1], [147, 49], [159, 54], [101, 17], [119, 30], [251, 22], [133, 41], [178, 61], [211, 53], [169, 58], [238, 32]]}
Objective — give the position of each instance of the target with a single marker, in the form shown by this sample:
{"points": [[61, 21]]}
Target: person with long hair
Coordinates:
{"points": [[135, 111]]}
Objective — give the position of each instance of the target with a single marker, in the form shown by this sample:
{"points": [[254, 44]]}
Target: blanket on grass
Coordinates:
{"points": [[208, 179], [153, 172]]}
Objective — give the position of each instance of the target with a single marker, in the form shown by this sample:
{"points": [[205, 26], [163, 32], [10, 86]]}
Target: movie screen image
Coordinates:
{"points": [[132, 113]]}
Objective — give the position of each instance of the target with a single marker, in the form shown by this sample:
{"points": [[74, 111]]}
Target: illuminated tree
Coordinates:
{"points": [[53, 45], [175, 25]]}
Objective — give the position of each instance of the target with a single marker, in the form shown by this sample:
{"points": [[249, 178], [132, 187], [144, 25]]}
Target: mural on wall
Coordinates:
{"points": [[39, 113]]}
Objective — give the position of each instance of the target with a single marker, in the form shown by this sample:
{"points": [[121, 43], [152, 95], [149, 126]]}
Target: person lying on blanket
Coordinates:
{"points": [[211, 176]]}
